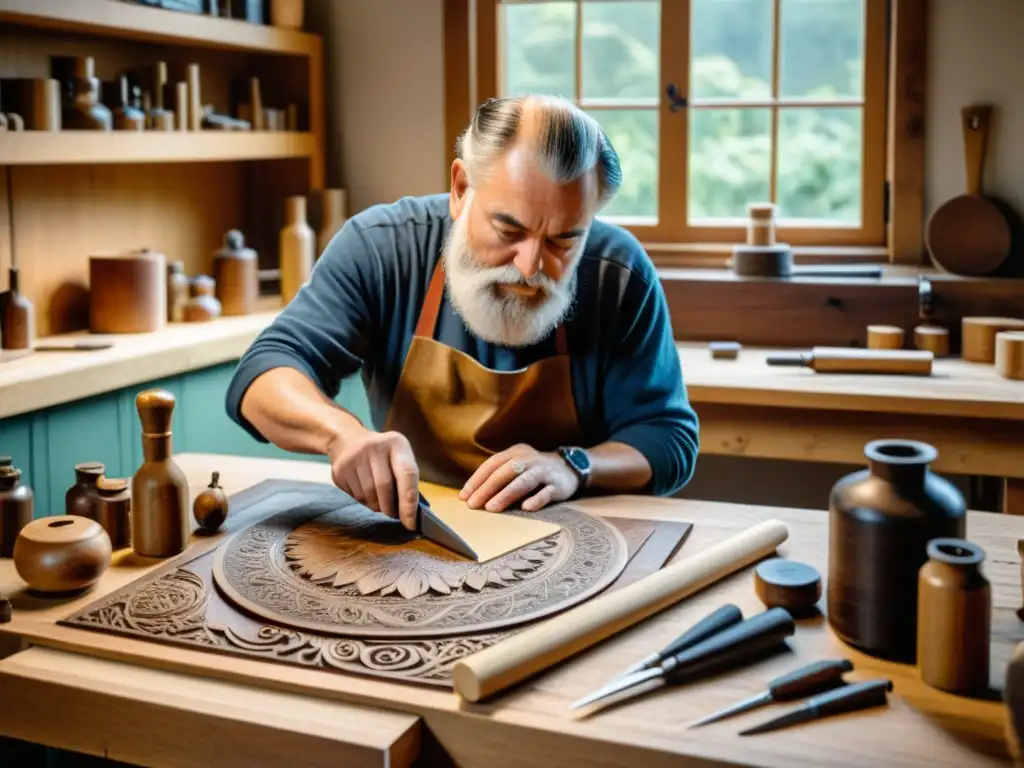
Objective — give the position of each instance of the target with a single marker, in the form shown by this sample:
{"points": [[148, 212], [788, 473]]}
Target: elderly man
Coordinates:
{"points": [[511, 345]]}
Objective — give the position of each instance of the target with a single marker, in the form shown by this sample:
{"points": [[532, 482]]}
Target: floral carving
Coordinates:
{"points": [[336, 551]]}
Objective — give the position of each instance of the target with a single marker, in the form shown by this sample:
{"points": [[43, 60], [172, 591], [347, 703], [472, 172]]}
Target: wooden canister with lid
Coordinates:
{"points": [[236, 274], [128, 292]]}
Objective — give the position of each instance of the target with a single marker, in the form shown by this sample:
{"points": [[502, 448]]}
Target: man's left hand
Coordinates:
{"points": [[520, 474]]}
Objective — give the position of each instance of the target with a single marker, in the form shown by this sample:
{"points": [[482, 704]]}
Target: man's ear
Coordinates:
{"points": [[460, 187]]}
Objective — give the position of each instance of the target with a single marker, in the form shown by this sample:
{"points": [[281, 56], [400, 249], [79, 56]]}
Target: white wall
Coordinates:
{"points": [[389, 53]]}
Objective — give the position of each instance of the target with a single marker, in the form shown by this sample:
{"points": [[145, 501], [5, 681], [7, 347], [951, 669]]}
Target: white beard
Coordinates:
{"points": [[506, 320]]}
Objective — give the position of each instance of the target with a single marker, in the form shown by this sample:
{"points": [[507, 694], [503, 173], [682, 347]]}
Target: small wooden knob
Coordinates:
{"points": [[932, 338], [210, 509], [885, 337], [1010, 354], [979, 336], [782, 583]]}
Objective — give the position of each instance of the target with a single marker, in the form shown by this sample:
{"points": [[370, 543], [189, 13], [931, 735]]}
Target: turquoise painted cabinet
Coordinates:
{"points": [[47, 444]]}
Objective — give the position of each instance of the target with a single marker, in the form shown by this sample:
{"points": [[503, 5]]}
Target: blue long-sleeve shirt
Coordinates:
{"points": [[358, 312]]}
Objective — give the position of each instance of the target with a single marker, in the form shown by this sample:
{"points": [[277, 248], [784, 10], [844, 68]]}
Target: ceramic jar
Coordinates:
{"points": [[81, 498], [62, 553], [954, 618], [880, 522], [16, 507]]}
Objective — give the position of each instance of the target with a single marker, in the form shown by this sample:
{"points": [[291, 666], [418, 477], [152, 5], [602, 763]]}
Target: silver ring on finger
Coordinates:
{"points": [[518, 466]]}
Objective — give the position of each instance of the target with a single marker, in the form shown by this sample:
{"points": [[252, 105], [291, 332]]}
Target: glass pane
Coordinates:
{"points": [[820, 164], [732, 49], [539, 50], [620, 49], [822, 45], [634, 134], [730, 161]]}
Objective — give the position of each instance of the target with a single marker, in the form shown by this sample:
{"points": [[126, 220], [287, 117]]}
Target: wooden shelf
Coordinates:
{"points": [[118, 18], [33, 380], [111, 147]]}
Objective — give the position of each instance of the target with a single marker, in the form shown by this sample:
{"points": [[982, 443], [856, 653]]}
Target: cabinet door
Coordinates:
{"points": [[16, 442]]}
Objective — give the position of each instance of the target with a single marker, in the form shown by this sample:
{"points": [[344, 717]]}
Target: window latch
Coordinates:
{"points": [[676, 99]]}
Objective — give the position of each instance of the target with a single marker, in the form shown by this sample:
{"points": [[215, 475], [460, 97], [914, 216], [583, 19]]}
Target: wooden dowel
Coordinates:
{"points": [[543, 645], [885, 337]]}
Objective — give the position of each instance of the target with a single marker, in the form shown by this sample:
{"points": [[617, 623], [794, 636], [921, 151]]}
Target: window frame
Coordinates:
{"points": [[894, 58]]}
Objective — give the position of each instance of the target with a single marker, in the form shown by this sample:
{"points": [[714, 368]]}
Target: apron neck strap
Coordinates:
{"points": [[427, 323]]}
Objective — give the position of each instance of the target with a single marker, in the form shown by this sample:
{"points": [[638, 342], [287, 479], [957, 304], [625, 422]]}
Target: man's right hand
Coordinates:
{"points": [[377, 469]]}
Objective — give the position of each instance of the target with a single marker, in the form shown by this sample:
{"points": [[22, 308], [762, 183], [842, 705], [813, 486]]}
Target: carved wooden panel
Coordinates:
{"points": [[181, 603]]}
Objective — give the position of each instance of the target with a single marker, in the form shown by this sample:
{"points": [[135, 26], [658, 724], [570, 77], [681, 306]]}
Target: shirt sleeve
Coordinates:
{"points": [[645, 399], [326, 330]]}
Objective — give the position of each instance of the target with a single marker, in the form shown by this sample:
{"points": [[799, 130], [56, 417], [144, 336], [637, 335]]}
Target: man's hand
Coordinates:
{"points": [[512, 475], [377, 469]]}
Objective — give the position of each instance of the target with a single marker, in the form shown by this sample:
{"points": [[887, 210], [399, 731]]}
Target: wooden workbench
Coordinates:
{"points": [[973, 416], [124, 697]]}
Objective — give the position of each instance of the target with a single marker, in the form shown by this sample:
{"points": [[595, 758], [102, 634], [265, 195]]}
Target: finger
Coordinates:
{"points": [[530, 480], [351, 485], [499, 478], [540, 499], [384, 484], [365, 475], [407, 482], [484, 471]]}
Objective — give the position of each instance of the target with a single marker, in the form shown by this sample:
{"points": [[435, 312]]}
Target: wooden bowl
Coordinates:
{"points": [[62, 553]]}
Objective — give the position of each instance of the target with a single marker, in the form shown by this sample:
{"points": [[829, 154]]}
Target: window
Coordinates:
{"points": [[715, 104]]}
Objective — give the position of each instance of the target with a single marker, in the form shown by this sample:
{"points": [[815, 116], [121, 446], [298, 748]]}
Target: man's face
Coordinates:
{"points": [[512, 253]]}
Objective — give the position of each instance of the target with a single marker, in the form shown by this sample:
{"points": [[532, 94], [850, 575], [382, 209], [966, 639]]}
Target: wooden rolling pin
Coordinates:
{"points": [[917, 362], [543, 645]]}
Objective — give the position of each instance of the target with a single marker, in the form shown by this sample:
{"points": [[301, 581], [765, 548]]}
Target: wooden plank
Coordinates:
{"points": [[530, 726], [965, 446], [101, 148], [137, 22], [149, 717], [457, 65], [906, 129], [44, 379]]}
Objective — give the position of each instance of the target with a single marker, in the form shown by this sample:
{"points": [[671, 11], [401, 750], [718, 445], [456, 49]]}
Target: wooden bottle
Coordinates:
{"points": [[82, 498], [87, 112], [113, 510], [333, 218], [17, 317], [954, 609], [16, 506], [159, 496], [177, 291], [236, 274], [296, 247], [127, 115], [202, 306]]}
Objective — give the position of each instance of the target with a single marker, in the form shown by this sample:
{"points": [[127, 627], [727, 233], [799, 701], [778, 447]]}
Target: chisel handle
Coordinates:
{"points": [[851, 697], [744, 640], [813, 678], [717, 621]]}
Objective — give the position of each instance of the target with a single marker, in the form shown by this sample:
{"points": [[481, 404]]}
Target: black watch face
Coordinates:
{"points": [[578, 458]]}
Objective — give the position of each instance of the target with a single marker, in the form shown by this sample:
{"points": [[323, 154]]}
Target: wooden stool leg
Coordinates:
{"points": [[1013, 496]]}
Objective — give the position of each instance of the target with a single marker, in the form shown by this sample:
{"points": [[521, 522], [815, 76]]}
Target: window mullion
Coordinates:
{"points": [[773, 168]]}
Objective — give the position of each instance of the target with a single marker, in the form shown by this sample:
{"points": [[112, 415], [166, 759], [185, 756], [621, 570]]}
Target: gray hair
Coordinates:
{"points": [[569, 142]]}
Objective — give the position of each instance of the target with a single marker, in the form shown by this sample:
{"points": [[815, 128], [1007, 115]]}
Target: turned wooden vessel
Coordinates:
{"points": [[87, 113], [210, 509], [113, 510], [881, 520], [761, 224], [885, 337], [177, 291], [1009, 357], [62, 554], [81, 498], [202, 306], [159, 489], [17, 316], [128, 292], [978, 339], [932, 338], [16, 508], [954, 618], [296, 247], [236, 274]]}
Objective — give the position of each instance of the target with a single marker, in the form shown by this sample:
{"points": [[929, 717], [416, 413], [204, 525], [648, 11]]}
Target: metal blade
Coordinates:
{"points": [[801, 715], [622, 689], [647, 663], [743, 706]]}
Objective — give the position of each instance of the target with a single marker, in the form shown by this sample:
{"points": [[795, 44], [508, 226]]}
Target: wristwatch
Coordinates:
{"points": [[578, 462]]}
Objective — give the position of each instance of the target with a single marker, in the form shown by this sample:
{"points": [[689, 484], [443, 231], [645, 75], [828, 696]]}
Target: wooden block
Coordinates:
{"points": [[781, 583], [142, 716], [1009, 354], [763, 260], [932, 338], [724, 350], [978, 341], [885, 337]]}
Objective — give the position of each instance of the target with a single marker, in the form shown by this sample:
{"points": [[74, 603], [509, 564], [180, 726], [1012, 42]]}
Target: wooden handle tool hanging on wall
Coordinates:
{"points": [[970, 234], [916, 362], [543, 645]]}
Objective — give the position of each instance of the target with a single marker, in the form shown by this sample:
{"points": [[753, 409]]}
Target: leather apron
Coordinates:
{"points": [[456, 412]]}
